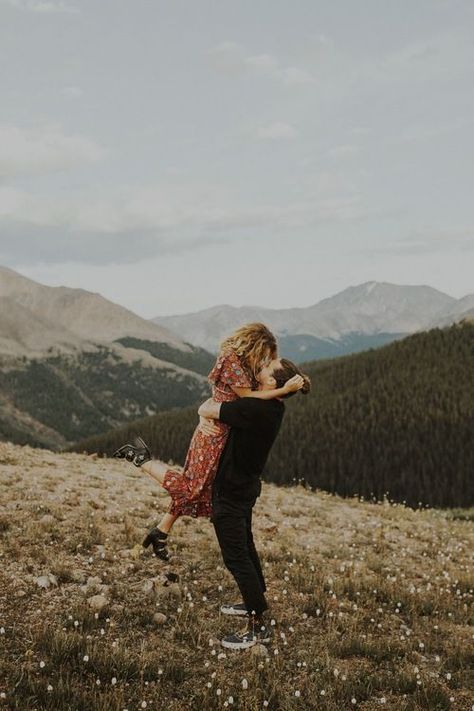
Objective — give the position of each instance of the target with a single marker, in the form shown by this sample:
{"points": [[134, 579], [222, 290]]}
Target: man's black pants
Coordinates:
{"points": [[232, 522]]}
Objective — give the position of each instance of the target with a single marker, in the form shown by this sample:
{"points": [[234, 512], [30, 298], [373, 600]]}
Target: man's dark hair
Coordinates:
{"points": [[288, 370]]}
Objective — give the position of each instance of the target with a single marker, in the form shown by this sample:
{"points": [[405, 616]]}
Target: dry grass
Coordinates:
{"points": [[372, 602]]}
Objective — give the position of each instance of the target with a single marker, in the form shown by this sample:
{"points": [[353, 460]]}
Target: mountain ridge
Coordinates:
{"points": [[369, 308], [80, 314]]}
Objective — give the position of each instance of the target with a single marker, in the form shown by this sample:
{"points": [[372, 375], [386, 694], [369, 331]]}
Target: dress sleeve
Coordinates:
{"points": [[228, 370]]}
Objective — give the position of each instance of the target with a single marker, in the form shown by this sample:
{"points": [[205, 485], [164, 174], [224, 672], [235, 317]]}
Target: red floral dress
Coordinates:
{"points": [[191, 488]]}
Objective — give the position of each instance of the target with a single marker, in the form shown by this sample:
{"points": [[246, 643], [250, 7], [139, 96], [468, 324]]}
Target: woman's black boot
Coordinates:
{"points": [[138, 452], [158, 540]]}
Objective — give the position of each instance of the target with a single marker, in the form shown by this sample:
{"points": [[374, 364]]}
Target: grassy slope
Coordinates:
{"points": [[372, 601]]}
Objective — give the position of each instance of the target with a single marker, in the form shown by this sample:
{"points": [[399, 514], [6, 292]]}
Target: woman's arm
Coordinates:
{"points": [[295, 383]]}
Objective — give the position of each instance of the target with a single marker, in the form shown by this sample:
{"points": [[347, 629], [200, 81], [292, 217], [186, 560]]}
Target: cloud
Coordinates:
{"points": [[444, 55], [132, 224], [262, 62], [23, 243], [277, 130], [46, 149], [425, 243], [42, 6], [295, 75], [73, 91], [344, 150], [234, 58], [417, 133], [228, 57]]}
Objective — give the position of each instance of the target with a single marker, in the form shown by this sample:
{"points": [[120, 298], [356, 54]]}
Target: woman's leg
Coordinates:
{"points": [[167, 522], [155, 469]]}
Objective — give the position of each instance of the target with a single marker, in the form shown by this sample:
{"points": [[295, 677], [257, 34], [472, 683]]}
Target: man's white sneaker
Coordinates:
{"points": [[237, 609]]}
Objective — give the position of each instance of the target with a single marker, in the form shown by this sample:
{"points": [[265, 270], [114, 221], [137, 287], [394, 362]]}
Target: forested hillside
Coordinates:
{"points": [[197, 359], [396, 421], [55, 401]]}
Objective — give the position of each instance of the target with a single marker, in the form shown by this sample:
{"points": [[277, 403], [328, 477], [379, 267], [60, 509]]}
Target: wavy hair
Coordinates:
{"points": [[255, 345]]}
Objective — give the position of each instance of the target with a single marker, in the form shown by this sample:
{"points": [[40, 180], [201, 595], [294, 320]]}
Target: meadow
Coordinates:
{"points": [[371, 602]]}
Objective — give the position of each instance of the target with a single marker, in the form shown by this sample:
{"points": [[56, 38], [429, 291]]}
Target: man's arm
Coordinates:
{"points": [[238, 413]]}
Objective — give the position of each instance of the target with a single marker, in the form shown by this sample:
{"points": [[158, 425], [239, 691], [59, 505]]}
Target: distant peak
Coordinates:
{"points": [[370, 286], [3, 268]]}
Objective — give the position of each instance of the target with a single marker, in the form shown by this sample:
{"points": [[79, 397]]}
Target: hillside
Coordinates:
{"points": [[398, 419], [73, 364], [24, 331], [372, 603], [57, 400], [195, 358], [73, 315]]}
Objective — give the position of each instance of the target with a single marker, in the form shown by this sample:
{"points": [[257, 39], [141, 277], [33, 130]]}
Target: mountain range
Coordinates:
{"points": [[357, 318]]}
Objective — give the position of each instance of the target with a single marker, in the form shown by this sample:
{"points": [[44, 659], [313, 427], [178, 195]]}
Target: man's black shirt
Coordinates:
{"points": [[254, 426]]}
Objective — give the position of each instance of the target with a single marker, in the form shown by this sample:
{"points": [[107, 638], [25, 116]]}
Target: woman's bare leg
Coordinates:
{"points": [[155, 469], [167, 522]]}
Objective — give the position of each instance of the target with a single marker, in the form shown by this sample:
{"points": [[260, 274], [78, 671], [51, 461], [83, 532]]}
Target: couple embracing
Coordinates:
{"points": [[221, 475]]}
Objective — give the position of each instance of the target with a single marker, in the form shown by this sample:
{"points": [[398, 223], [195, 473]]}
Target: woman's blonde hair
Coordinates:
{"points": [[255, 344]]}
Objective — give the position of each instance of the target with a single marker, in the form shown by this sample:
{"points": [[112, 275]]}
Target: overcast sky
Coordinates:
{"points": [[177, 155]]}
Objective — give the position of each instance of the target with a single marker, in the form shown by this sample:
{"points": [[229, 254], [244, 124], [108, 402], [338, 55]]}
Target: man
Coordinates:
{"points": [[254, 426]]}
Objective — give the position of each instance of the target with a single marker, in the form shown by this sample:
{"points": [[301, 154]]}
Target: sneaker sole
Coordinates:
{"points": [[234, 613], [244, 645]]}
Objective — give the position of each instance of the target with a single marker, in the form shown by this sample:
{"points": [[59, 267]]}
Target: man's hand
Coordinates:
{"points": [[210, 409], [208, 427], [293, 384]]}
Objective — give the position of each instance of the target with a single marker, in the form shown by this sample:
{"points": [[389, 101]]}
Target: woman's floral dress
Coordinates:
{"points": [[191, 488]]}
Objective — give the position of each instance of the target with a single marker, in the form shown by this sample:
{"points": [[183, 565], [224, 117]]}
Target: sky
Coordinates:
{"points": [[177, 155]]}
